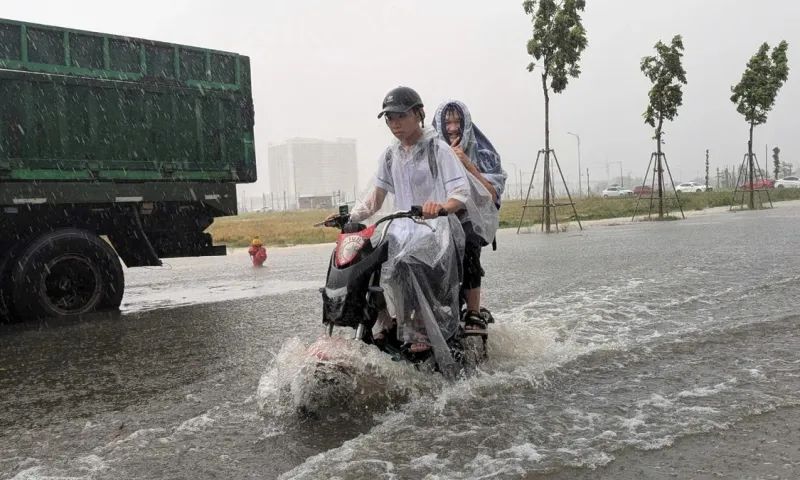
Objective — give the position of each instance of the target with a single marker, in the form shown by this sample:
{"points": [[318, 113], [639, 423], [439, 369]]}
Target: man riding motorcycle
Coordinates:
{"points": [[421, 275]]}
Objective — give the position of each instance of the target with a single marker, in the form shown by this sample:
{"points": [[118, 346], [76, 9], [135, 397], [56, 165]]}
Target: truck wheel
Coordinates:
{"points": [[67, 272]]}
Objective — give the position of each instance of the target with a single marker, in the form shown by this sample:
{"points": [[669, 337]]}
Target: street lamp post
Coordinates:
{"points": [[516, 169], [578, 137], [621, 178]]}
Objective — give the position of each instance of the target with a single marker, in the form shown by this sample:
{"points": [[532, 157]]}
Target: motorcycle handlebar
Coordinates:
{"points": [[414, 211]]}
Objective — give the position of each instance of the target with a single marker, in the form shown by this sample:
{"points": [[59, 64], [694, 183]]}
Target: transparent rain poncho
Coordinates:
{"points": [[421, 277]]}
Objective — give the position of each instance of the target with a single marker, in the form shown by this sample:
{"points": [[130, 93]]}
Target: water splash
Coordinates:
{"points": [[337, 375]]}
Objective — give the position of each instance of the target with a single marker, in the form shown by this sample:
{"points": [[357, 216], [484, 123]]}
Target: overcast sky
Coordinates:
{"points": [[321, 68]]}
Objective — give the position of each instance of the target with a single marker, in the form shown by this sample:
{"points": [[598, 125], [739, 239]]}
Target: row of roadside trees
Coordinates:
{"points": [[559, 39]]}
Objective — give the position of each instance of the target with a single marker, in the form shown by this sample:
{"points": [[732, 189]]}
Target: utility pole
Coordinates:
{"points": [[579, 159], [588, 192], [516, 169], [621, 180]]}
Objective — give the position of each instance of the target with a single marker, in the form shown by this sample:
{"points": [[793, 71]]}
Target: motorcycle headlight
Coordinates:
{"points": [[349, 246]]}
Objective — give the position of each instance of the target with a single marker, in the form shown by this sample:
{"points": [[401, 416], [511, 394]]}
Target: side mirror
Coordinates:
{"points": [[344, 210]]}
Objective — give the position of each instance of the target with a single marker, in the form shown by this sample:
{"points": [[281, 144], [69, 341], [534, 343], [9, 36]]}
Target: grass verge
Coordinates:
{"points": [[279, 229]]}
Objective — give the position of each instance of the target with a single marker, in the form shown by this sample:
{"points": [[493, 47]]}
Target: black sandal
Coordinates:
{"points": [[474, 323], [384, 333], [381, 336]]}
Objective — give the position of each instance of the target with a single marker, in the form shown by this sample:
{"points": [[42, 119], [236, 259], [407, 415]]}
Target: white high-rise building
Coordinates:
{"points": [[307, 167]]}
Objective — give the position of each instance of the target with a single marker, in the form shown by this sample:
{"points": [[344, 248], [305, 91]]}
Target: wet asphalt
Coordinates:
{"points": [[167, 388]]}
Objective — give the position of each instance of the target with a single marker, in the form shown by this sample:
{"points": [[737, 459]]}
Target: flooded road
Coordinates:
{"points": [[610, 345]]}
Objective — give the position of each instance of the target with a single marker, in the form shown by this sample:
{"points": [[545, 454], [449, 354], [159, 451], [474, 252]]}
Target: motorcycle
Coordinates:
{"points": [[353, 298]]}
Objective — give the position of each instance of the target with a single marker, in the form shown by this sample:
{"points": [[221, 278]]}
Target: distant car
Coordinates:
{"points": [[788, 182], [642, 190], [691, 187], [616, 192], [759, 184]]}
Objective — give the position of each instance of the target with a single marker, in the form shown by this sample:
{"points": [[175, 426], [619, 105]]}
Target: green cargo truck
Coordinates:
{"points": [[137, 141]]}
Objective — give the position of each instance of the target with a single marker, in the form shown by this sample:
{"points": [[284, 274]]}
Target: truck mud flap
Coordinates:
{"points": [[131, 242]]}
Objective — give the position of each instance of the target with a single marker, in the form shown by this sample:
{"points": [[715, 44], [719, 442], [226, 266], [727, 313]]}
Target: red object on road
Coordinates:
{"points": [[257, 252], [259, 255]]}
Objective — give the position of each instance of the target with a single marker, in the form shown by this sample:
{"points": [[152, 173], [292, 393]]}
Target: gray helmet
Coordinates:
{"points": [[400, 100]]}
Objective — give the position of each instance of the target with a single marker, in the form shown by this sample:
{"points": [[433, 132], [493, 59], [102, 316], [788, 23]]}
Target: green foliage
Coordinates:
{"points": [[764, 76], [776, 161], [558, 39], [665, 71]]}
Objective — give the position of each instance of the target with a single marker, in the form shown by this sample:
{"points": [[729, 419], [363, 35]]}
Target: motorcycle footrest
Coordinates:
{"points": [[468, 333]]}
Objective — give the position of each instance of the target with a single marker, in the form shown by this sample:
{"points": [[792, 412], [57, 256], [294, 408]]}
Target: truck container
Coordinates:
{"points": [[112, 149]]}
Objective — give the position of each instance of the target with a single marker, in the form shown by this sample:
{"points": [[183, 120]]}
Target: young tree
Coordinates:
{"points": [[755, 94], [776, 161], [665, 71], [707, 169], [787, 169], [556, 46]]}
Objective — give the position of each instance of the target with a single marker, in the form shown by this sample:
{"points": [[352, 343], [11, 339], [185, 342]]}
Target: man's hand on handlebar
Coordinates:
{"points": [[433, 210], [333, 220]]}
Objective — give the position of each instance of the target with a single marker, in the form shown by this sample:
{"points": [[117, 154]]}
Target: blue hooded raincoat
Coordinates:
{"points": [[474, 144]]}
